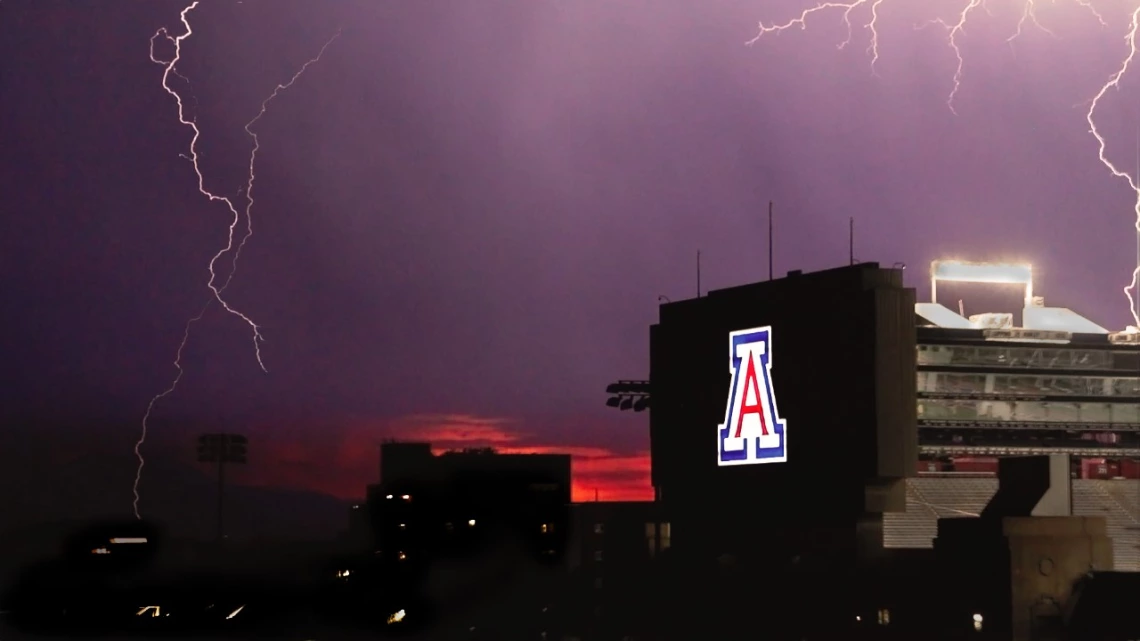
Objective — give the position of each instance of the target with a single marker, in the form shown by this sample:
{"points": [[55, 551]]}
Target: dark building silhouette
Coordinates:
{"points": [[806, 532], [359, 534], [475, 539], [428, 505], [614, 559]]}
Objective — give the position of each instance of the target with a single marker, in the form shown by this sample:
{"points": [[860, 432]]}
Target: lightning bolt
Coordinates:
{"points": [[1114, 83], [954, 29], [232, 246], [1029, 14]]}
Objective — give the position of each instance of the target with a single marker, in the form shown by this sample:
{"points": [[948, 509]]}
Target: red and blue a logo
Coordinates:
{"points": [[752, 432]]}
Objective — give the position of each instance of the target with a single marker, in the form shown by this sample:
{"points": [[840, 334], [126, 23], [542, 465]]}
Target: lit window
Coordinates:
{"points": [[403, 526], [406, 497], [471, 523], [599, 528], [547, 528], [666, 531], [978, 622], [402, 556], [389, 497], [884, 617]]}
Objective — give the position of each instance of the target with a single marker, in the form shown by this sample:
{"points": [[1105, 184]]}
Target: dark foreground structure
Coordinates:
{"points": [[789, 542], [787, 420], [784, 428]]}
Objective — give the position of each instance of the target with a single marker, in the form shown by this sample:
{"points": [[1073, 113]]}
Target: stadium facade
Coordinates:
{"points": [[988, 387], [848, 418]]}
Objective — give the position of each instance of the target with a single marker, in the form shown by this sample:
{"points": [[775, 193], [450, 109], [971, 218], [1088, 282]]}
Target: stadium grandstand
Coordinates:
{"points": [[1057, 384]]}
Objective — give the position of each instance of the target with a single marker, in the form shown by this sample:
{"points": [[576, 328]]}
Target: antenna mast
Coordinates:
{"points": [[769, 240], [698, 273], [851, 240]]}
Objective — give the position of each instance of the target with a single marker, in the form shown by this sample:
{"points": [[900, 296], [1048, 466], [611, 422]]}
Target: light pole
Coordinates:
{"points": [[222, 449]]}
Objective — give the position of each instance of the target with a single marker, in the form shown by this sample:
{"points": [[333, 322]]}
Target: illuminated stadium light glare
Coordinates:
{"points": [[962, 271], [1039, 323]]}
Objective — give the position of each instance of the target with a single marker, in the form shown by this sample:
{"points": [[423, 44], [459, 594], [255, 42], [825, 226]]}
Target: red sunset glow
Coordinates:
{"points": [[345, 462]]}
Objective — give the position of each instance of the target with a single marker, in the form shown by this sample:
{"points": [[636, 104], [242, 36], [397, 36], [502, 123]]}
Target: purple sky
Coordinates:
{"points": [[470, 208]]}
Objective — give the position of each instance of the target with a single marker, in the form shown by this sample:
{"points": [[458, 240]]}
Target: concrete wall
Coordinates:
{"points": [[1047, 555]]}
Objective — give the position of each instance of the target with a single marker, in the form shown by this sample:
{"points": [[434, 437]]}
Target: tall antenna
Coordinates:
{"points": [[851, 240], [698, 273], [769, 240]]}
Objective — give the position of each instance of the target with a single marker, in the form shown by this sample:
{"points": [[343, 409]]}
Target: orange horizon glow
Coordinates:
{"points": [[343, 467]]}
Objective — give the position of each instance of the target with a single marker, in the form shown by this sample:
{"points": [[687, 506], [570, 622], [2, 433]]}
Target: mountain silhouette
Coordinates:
{"points": [[179, 495]]}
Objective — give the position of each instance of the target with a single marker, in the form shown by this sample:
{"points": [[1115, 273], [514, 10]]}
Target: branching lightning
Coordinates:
{"points": [[954, 29], [1114, 83], [232, 246]]}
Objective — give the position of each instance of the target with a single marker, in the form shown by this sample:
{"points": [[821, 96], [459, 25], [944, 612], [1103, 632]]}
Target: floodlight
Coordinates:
{"points": [[969, 272]]}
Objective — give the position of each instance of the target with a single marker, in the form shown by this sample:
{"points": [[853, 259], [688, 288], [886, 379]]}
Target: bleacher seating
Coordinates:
{"points": [[931, 498], [1119, 502]]}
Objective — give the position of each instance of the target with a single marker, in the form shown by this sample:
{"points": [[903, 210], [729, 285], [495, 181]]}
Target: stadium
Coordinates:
{"points": [[987, 388], [846, 502]]}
